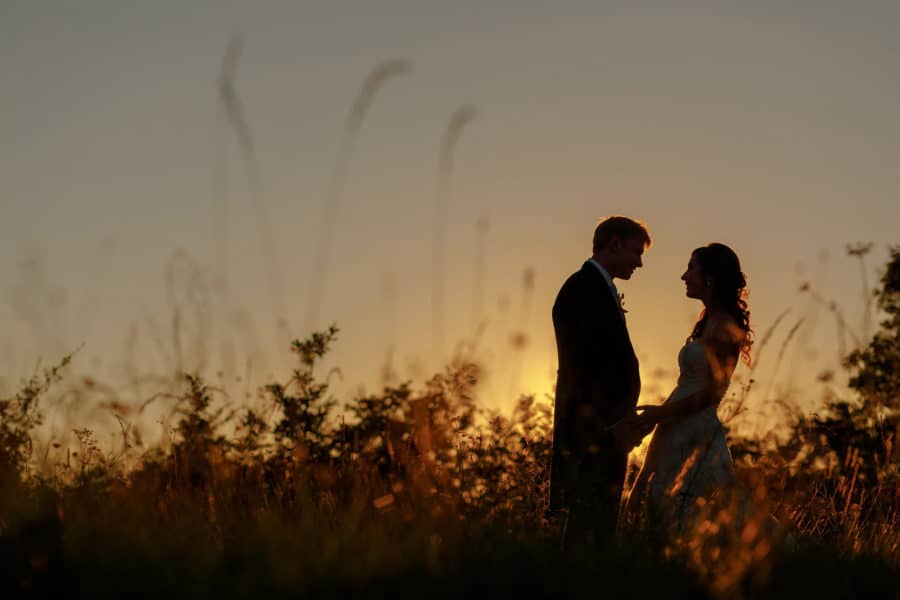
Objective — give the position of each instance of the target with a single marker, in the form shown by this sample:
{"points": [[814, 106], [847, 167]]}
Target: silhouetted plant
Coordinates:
{"points": [[19, 415], [250, 436], [198, 445], [868, 424], [837, 470], [303, 402], [875, 368]]}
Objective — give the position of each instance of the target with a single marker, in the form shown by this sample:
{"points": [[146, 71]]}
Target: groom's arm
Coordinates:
{"points": [[599, 359], [590, 334]]}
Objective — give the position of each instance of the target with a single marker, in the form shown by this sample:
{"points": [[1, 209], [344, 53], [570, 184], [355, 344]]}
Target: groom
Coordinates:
{"points": [[597, 386]]}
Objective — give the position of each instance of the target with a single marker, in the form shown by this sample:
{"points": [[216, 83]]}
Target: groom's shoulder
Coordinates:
{"points": [[584, 275], [578, 281], [574, 279]]}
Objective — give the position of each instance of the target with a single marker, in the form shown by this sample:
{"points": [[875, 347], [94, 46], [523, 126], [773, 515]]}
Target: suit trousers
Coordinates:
{"points": [[596, 495]]}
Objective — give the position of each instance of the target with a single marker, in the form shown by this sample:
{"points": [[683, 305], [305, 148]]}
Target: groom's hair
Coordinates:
{"points": [[623, 228]]}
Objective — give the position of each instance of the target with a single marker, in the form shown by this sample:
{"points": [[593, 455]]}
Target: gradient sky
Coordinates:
{"points": [[772, 128]]}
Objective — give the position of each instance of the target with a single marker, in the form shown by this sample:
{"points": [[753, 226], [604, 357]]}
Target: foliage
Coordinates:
{"points": [[860, 432], [837, 474], [875, 369], [18, 416], [402, 491], [304, 414]]}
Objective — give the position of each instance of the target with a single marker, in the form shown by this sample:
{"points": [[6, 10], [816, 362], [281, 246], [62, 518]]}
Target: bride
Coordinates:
{"points": [[688, 461]]}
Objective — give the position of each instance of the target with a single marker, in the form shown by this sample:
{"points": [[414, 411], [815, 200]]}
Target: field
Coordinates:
{"points": [[417, 489], [414, 490]]}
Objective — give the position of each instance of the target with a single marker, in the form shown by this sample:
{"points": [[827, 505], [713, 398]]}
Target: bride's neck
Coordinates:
{"points": [[713, 307]]}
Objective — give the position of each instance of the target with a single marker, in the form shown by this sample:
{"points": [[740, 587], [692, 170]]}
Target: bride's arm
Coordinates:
{"points": [[680, 408]]}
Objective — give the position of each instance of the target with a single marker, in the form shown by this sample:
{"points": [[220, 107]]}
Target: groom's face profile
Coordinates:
{"points": [[627, 254]]}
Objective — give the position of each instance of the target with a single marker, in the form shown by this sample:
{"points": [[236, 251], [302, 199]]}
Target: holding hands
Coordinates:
{"points": [[651, 414], [628, 432]]}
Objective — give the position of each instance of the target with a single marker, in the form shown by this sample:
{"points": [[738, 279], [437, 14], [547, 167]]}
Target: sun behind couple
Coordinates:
{"points": [[597, 420]]}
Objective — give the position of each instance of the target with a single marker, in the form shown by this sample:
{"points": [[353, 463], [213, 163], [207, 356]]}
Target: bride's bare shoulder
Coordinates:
{"points": [[725, 331]]}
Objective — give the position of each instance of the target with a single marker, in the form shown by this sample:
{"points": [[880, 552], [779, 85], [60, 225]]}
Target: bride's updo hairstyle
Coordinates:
{"points": [[721, 270]]}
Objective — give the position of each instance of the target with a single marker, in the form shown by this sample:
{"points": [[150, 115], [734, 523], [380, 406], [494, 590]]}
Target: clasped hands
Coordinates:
{"points": [[628, 432]]}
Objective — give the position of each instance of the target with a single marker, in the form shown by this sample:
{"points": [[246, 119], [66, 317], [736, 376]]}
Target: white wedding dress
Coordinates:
{"points": [[687, 461], [687, 490]]}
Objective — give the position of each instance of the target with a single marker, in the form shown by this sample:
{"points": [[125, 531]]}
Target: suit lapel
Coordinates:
{"points": [[604, 293], [607, 303]]}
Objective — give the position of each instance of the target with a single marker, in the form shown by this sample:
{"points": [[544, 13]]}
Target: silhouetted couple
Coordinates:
{"points": [[597, 420]]}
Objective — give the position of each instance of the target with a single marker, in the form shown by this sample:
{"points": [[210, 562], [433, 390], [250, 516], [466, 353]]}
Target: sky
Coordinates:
{"points": [[768, 127]]}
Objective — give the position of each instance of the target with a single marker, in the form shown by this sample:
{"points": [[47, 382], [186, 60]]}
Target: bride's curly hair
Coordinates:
{"points": [[721, 266]]}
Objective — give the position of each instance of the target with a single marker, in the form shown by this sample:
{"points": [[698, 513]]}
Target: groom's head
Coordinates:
{"points": [[619, 243]]}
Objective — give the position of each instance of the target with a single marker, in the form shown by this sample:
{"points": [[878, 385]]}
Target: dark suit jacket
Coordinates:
{"points": [[597, 383]]}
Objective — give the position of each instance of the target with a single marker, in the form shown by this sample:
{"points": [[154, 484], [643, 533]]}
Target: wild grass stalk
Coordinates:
{"points": [[482, 228], [189, 302], [519, 339], [220, 181], [735, 409], [377, 78], [859, 251], [237, 119], [781, 351], [843, 329], [446, 157]]}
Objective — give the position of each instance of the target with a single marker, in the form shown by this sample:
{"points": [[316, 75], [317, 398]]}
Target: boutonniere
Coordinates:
{"points": [[622, 303]]}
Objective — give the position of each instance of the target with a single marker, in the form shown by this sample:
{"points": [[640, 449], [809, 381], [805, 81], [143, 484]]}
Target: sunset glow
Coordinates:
{"points": [[295, 299], [745, 128]]}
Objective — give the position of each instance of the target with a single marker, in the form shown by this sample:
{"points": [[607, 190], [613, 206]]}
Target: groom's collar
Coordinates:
{"points": [[603, 272]]}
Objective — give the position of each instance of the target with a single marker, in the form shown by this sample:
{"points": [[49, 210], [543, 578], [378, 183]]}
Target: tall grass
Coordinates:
{"points": [[413, 488], [377, 79], [446, 160], [236, 117]]}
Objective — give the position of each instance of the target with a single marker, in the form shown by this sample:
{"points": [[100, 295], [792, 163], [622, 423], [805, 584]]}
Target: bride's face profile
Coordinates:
{"points": [[694, 283]]}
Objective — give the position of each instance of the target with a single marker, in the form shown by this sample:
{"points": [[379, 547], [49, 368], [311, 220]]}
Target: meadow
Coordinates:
{"points": [[417, 488]]}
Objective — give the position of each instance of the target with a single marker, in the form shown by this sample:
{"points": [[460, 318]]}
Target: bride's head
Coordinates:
{"points": [[714, 275]]}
